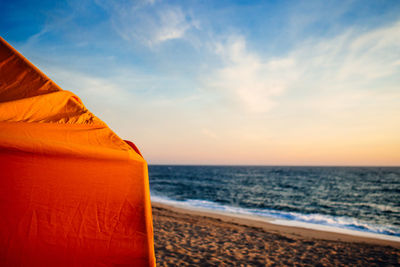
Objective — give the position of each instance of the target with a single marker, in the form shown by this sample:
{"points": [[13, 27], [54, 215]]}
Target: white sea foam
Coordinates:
{"points": [[344, 225]]}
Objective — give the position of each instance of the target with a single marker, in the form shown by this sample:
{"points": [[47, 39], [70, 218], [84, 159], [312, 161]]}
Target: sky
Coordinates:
{"points": [[227, 82]]}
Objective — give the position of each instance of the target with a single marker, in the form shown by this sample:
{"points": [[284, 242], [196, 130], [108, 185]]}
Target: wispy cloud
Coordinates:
{"points": [[348, 62], [91, 87], [209, 133], [173, 25], [248, 79], [149, 22]]}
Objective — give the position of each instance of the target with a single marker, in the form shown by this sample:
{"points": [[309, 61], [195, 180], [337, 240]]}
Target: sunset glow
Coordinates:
{"points": [[259, 83]]}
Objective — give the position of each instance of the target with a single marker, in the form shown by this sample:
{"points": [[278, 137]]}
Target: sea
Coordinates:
{"points": [[363, 200]]}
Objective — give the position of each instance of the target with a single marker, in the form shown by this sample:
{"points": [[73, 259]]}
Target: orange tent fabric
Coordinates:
{"points": [[72, 193]]}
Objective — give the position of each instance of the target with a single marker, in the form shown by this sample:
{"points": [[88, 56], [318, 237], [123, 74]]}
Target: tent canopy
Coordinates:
{"points": [[72, 192]]}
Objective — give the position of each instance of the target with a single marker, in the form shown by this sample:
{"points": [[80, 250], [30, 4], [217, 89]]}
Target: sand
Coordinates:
{"points": [[198, 238]]}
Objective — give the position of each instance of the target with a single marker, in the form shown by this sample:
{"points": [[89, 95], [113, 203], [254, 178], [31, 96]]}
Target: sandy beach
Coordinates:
{"points": [[199, 238]]}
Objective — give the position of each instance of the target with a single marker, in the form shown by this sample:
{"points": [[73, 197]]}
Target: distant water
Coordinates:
{"points": [[356, 198]]}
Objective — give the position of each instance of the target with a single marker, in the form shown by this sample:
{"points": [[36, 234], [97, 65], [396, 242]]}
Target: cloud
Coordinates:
{"points": [[173, 25], [248, 79], [53, 24], [209, 133], [149, 22], [351, 61], [88, 86]]}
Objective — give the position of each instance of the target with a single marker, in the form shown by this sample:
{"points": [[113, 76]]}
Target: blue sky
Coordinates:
{"points": [[227, 82]]}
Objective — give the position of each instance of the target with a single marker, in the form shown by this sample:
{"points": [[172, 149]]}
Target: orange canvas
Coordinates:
{"points": [[72, 193]]}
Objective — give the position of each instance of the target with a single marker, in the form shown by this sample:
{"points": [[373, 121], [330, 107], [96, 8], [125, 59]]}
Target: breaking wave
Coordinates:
{"points": [[312, 219]]}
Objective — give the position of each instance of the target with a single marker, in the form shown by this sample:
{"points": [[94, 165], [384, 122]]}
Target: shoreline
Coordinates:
{"points": [[288, 230], [187, 237]]}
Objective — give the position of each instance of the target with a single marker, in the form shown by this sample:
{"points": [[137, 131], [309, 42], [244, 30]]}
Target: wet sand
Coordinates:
{"points": [[197, 238]]}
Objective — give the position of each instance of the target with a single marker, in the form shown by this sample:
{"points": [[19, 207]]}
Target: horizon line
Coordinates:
{"points": [[273, 165]]}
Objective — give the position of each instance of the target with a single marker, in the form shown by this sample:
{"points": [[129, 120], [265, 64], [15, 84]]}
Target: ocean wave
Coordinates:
{"points": [[316, 219]]}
